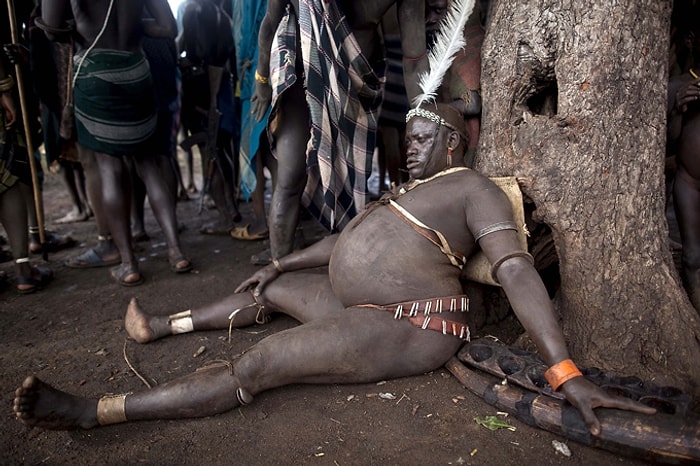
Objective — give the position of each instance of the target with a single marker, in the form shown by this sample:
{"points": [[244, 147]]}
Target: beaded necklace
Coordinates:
{"points": [[412, 184]]}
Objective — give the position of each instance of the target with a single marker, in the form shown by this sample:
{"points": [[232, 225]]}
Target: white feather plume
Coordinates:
{"points": [[449, 40]]}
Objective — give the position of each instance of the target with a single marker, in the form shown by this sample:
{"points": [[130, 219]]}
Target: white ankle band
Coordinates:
{"points": [[181, 322], [22, 260]]}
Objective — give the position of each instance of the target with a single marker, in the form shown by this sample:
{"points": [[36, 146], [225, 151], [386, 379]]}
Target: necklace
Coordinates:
{"points": [[412, 184], [693, 73]]}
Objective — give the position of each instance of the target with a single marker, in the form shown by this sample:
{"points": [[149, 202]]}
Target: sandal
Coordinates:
{"points": [[90, 259], [174, 263], [40, 277], [243, 234], [122, 272], [52, 242]]}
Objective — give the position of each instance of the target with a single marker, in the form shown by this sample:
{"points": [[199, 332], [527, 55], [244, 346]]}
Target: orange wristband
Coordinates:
{"points": [[561, 372]]}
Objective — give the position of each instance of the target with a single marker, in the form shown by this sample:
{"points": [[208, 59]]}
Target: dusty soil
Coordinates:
{"points": [[71, 335]]}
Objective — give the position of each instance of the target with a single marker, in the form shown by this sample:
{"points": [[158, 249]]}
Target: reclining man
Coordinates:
{"points": [[347, 336]]}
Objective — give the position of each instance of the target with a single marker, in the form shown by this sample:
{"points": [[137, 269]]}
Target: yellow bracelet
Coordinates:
{"points": [[260, 78], [561, 372]]}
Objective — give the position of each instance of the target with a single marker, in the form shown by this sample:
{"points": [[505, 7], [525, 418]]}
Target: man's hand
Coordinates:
{"points": [[586, 396], [687, 93], [17, 54], [8, 107], [260, 101], [262, 277]]}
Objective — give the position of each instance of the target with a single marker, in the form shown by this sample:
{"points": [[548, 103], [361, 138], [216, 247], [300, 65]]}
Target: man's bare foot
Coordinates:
{"points": [[142, 327], [38, 404]]}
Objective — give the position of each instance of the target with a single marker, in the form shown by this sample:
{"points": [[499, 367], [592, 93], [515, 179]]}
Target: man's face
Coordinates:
{"points": [[426, 153], [435, 11]]}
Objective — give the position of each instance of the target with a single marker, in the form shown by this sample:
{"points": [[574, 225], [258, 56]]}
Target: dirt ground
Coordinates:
{"points": [[71, 335]]}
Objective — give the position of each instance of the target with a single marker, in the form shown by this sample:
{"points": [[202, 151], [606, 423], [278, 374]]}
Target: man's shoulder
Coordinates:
{"points": [[478, 188], [471, 178]]}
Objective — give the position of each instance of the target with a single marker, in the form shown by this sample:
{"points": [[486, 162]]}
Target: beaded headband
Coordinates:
{"points": [[428, 115]]}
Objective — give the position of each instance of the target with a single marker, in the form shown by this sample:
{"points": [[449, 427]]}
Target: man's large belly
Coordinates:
{"points": [[384, 261]]}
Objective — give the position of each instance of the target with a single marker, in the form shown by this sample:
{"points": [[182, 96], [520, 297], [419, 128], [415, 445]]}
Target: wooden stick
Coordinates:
{"points": [[27, 132]]}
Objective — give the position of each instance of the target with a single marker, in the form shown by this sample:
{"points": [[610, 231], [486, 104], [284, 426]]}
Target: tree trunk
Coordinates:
{"points": [[574, 105]]}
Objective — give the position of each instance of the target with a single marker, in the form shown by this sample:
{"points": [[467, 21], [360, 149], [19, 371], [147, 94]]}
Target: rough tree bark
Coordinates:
{"points": [[574, 98]]}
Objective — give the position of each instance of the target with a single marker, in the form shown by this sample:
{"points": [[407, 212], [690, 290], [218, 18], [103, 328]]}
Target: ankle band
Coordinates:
{"points": [[104, 237], [244, 397], [181, 322], [22, 260], [110, 410], [33, 230]]}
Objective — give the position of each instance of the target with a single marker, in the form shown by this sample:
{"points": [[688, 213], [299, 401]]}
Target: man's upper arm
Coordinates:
{"points": [[489, 213], [163, 16], [273, 15], [411, 16], [55, 13]]}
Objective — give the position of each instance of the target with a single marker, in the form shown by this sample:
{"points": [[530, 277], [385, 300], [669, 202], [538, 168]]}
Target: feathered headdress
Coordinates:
{"points": [[448, 41]]}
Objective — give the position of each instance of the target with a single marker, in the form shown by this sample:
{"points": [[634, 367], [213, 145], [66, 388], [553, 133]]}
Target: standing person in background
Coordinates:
{"points": [[209, 113], [684, 140], [461, 87], [326, 89], [161, 54], [15, 180], [255, 150], [116, 112]]}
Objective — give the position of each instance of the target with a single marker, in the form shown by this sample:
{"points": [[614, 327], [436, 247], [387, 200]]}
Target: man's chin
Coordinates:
{"points": [[416, 173]]}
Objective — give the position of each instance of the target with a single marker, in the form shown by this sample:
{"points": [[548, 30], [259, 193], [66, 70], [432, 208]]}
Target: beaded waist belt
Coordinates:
{"points": [[421, 313]]}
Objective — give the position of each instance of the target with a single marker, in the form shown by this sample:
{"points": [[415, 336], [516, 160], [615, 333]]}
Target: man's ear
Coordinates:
{"points": [[453, 140]]}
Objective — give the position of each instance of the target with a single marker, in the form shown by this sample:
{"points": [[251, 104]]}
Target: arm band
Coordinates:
{"points": [[494, 228], [496, 265], [561, 372], [277, 265], [419, 57], [260, 78]]}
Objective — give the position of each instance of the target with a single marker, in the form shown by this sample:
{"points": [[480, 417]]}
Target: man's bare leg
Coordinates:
{"points": [[348, 347], [291, 137], [105, 249], [116, 200], [159, 178], [289, 294]]}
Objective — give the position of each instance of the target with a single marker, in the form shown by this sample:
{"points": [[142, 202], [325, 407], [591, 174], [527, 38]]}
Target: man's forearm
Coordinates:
{"points": [[531, 304], [316, 255], [265, 36]]}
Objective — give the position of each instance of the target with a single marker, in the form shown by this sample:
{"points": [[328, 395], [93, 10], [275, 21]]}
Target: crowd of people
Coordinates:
{"points": [[261, 87], [116, 143]]}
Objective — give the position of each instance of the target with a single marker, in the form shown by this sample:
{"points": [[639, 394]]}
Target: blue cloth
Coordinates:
{"points": [[247, 17]]}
